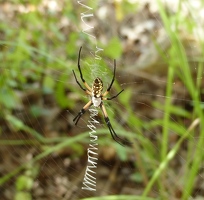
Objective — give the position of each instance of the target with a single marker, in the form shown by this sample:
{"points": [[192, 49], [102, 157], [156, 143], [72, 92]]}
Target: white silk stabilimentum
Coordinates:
{"points": [[89, 180]]}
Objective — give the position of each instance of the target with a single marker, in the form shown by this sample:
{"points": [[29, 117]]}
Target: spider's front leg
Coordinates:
{"points": [[81, 112]]}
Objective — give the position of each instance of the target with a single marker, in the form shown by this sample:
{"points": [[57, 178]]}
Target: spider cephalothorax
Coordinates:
{"points": [[97, 98]]}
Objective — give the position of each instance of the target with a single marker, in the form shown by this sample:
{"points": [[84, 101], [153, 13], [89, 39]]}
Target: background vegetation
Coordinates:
{"points": [[42, 153]]}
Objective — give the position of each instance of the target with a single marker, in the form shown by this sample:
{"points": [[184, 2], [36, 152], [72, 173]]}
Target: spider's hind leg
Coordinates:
{"points": [[115, 136], [113, 133]]}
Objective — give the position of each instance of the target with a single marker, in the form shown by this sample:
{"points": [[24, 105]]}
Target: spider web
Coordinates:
{"points": [[60, 173]]}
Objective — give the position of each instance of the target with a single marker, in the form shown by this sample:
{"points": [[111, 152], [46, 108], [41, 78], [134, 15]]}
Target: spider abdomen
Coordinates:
{"points": [[96, 101], [97, 87]]}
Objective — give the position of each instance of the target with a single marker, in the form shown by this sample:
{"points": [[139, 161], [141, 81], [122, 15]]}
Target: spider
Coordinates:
{"points": [[97, 98]]}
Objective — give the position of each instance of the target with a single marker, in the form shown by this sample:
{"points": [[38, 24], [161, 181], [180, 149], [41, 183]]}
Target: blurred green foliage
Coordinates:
{"points": [[38, 52]]}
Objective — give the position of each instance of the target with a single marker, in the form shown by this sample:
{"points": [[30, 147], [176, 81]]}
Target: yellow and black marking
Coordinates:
{"points": [[97, 87]]}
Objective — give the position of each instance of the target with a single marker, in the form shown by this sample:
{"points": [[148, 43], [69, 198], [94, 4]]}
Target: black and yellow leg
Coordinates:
{"points": [[86, 90], [81, 75], [110, 98], [81, 112], [113, 133]]}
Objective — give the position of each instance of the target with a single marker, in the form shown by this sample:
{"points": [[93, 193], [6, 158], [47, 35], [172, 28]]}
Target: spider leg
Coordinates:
{"points": [[81, 75], [86, 90], [110, 98], [81, 112], [113, 133], [78, 81]]}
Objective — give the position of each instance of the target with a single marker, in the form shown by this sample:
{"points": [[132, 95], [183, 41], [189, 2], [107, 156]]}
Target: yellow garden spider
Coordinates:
{"points": [[97, 98]]}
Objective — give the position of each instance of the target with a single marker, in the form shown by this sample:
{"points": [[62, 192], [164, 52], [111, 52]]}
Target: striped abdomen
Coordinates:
{"points": [[97, 87]]}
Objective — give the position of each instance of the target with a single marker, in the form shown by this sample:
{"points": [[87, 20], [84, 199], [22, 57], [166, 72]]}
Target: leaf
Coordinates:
{"points": [[137, 177], [15, 122], [7, 98], [113, 49], [23, 196], [125, 97], [176, 110], [60, 95], [122, 152], [24, 183], [36, 110], [48, 85]]}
